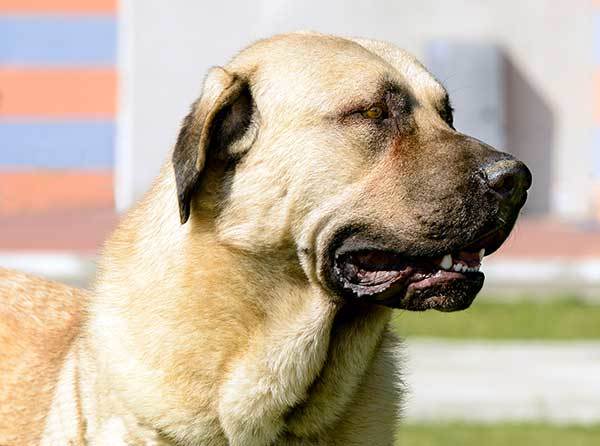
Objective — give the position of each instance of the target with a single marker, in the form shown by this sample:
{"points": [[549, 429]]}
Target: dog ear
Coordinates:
{"points": [[220, 122]]}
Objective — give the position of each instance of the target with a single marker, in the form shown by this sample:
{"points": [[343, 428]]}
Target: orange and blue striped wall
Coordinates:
{"points": [[58, 87]]}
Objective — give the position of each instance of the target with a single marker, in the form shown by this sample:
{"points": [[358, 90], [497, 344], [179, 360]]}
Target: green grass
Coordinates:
{"points": [[497, 435], [565, 319]]}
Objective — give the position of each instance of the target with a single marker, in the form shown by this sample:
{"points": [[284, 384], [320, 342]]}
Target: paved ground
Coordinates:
{"points": [[84, 230], [79, 231], [490, 381], [542, 257], [541, 238]]}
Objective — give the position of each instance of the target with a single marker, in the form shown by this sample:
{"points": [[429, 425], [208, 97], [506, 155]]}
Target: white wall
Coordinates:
{"points": [[166, 48]]}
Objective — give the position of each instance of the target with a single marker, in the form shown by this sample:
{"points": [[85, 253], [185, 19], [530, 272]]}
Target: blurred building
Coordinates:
{"points": [[545, 58]]}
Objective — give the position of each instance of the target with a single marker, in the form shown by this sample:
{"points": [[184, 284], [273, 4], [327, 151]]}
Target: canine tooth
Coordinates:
{"points": [[481, 253], [446, 262]]}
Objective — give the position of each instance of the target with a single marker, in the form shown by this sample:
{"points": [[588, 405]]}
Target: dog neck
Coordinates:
{"points": [[209, 344]]}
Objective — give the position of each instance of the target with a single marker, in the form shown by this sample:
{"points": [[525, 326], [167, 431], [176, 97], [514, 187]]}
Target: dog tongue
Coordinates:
{"points": [[372, 267], [375, 260]]}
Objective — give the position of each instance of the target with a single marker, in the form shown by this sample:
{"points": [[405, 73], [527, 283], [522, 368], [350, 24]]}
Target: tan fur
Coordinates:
{"points": [[220, 331], [38, 322]]}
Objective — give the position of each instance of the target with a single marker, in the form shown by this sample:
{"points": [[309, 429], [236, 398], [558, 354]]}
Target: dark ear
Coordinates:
{"points": [[220, 120]]}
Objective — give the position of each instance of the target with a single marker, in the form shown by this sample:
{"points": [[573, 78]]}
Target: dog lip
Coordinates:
{"points": [[454, 292], [490, 240]]}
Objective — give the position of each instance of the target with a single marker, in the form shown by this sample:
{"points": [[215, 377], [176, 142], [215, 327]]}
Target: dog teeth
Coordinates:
{"points": [[449, 264], [446, 262]]}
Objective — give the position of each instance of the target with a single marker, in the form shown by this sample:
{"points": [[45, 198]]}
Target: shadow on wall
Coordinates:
{"points": [[529, 134]]}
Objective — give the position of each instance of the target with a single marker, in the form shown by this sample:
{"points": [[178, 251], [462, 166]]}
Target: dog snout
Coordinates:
{"points": [[508, 179]]}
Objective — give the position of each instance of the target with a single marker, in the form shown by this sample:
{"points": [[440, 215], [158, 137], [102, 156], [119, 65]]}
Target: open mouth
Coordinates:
{"points": [[447, 282]]}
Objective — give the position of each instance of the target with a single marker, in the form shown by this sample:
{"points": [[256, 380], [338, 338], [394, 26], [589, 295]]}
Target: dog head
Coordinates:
{"points": [[342, 154]]}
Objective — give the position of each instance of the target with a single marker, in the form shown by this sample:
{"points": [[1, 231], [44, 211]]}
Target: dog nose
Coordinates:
{"points": [[508, 178]]}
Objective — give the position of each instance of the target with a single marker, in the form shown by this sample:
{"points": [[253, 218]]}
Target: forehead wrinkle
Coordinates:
{"points": [[311, 64], [321, 92], [403, 73], [304, 74], [424, 85], [382, 86]]}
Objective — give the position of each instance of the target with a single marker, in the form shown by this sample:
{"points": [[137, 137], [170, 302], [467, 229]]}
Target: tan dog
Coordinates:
{"points": [[317, 183]]}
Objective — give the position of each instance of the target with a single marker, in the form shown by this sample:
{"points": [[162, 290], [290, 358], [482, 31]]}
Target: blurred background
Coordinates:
{"points": [[92, 93]]}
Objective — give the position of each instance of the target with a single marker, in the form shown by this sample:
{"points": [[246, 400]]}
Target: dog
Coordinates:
{"points": [[316, 184]]}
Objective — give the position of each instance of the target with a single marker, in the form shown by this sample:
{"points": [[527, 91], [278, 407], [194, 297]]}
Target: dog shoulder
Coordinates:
{"points": [[38, 322]]}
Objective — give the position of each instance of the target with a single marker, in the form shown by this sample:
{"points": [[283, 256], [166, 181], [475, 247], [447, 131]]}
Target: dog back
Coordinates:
{"points": [[38, 321]]}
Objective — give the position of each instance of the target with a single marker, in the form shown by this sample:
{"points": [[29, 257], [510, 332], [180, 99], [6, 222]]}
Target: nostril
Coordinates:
{"points": [[508, 178], [503, 184]]}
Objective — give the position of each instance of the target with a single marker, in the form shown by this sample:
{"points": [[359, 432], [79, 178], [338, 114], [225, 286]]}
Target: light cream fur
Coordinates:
{"points": [[220, 331]]}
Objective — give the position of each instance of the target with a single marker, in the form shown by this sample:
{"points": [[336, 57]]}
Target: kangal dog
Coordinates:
{"points": [[317, 183]]}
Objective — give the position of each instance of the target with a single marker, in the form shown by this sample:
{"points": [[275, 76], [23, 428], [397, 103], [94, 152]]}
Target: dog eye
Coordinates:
{"points": [[374, 112]]}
